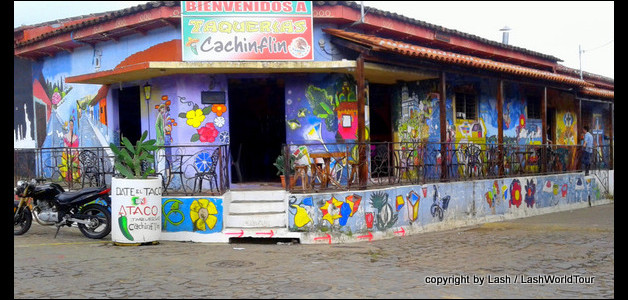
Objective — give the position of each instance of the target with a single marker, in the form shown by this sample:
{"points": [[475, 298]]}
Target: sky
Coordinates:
{"points": [[556, 28]]}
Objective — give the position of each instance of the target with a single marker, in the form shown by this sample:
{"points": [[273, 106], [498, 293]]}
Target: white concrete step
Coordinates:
{"points": [[256, 209], [257, 206], [256, 220], [263, 232], [258, 195]]}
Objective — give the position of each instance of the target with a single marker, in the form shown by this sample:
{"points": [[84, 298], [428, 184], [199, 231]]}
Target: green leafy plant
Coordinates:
{"points": [[280, 163], [129, 160]]}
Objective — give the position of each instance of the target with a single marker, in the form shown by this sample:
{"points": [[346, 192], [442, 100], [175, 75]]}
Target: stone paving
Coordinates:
{"points": [[484, 261]]}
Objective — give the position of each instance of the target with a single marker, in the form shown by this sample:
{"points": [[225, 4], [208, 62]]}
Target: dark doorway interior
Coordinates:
{"points": [[257, 126], [129, 108], [551, 125], [380, 99], [381, 126]]}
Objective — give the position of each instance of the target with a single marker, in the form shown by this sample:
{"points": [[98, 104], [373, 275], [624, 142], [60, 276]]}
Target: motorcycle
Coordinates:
{"points": [[52, 205]]}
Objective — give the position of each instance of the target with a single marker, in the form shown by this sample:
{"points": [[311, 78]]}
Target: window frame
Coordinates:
{"points": [[533, 111], [467, 97]]}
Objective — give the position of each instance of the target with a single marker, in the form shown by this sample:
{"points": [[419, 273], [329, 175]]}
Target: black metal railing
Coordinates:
{"points": [[186, 170], [321, 167], [199, 170]]}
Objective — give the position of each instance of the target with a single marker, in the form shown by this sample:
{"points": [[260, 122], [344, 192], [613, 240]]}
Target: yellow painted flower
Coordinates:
{"points": [[202, 213], [195, 117]]}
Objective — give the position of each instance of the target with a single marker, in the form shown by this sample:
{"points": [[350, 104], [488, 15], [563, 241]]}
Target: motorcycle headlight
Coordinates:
{"points": [[19, 188]]}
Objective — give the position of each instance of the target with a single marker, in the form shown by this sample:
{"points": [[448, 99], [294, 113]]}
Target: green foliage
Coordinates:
{"points": [[280, 163], [129, 159]]}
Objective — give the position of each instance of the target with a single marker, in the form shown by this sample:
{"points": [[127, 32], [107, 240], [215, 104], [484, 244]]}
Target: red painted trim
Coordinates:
{"points": [[85, 77], [122, 22], [166, 51]]}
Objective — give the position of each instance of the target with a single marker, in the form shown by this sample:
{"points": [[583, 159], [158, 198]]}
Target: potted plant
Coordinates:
{"points": [[135, 193], [280, 165]]}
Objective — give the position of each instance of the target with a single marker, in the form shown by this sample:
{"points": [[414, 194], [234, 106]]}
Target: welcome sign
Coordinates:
{"points": [[246, 30]]}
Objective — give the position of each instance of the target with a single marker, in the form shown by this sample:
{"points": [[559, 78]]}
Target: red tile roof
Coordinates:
{"points": [[597, 92], [382, 44]]}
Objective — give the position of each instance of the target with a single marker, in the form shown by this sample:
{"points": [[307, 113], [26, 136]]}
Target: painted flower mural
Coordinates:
{"points": [[219, 122], [203, 161], [56, 97], [195, 117], [530, 189], [206, 134], [219, 109], [202, 214], [515, 193]]}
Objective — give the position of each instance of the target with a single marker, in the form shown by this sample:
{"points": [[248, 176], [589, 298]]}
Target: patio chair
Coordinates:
{"points": [[89, 168], [205, 166]]}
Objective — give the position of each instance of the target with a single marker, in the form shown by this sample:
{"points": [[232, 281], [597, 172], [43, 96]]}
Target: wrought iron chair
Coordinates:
{"points": [[205, 166], [89, 168], [171, 168]]}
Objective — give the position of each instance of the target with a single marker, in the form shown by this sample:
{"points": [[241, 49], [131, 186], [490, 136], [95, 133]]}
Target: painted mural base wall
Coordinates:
{"points": [[354, 216], [400, 211]]}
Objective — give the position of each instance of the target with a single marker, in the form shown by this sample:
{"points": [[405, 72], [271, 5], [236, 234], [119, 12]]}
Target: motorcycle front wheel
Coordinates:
{"points": [[99, 222], [22, 222]]}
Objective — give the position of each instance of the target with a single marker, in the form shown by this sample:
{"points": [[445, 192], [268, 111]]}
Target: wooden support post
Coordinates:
{"points": [[611, 118], [286, 166], [363, 165], [443, 126], [544, 115], [544, 129], [579, 121], [500, 125]]}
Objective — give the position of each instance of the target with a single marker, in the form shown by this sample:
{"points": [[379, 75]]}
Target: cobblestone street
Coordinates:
{"points": [[491, 260]]}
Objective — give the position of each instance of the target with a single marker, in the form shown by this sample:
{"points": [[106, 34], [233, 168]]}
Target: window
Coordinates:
{"points": [[346, 121], [534, 107], [466, 106]]}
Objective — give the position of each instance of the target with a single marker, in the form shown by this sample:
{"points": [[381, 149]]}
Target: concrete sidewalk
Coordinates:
{"points": [[573, 247]]}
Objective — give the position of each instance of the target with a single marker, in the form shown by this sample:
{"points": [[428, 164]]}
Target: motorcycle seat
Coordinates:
{"points": [[68, 197]]}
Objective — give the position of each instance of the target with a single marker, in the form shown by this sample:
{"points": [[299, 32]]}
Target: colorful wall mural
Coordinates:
{"points": [[78, 115], [180, 117], [566, 117], [418, 116], [201, 215], [417, 113], [321, 109], [358, 213]]}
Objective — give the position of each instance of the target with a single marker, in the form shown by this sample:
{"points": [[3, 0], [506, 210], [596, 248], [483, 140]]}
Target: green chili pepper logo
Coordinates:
{"points": [[123, 222]]}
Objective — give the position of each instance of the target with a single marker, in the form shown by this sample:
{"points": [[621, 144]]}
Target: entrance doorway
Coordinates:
{"points": [[381, 127], [551, 125], [258, 128], [129, 113], [380, 112]]}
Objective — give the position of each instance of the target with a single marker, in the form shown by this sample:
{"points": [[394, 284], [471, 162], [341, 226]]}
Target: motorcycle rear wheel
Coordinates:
{"points": [[100, 222], [23, 222]]}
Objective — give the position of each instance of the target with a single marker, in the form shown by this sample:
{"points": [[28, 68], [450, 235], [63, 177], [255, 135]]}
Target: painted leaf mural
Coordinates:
{"points": [[322, 105]]}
